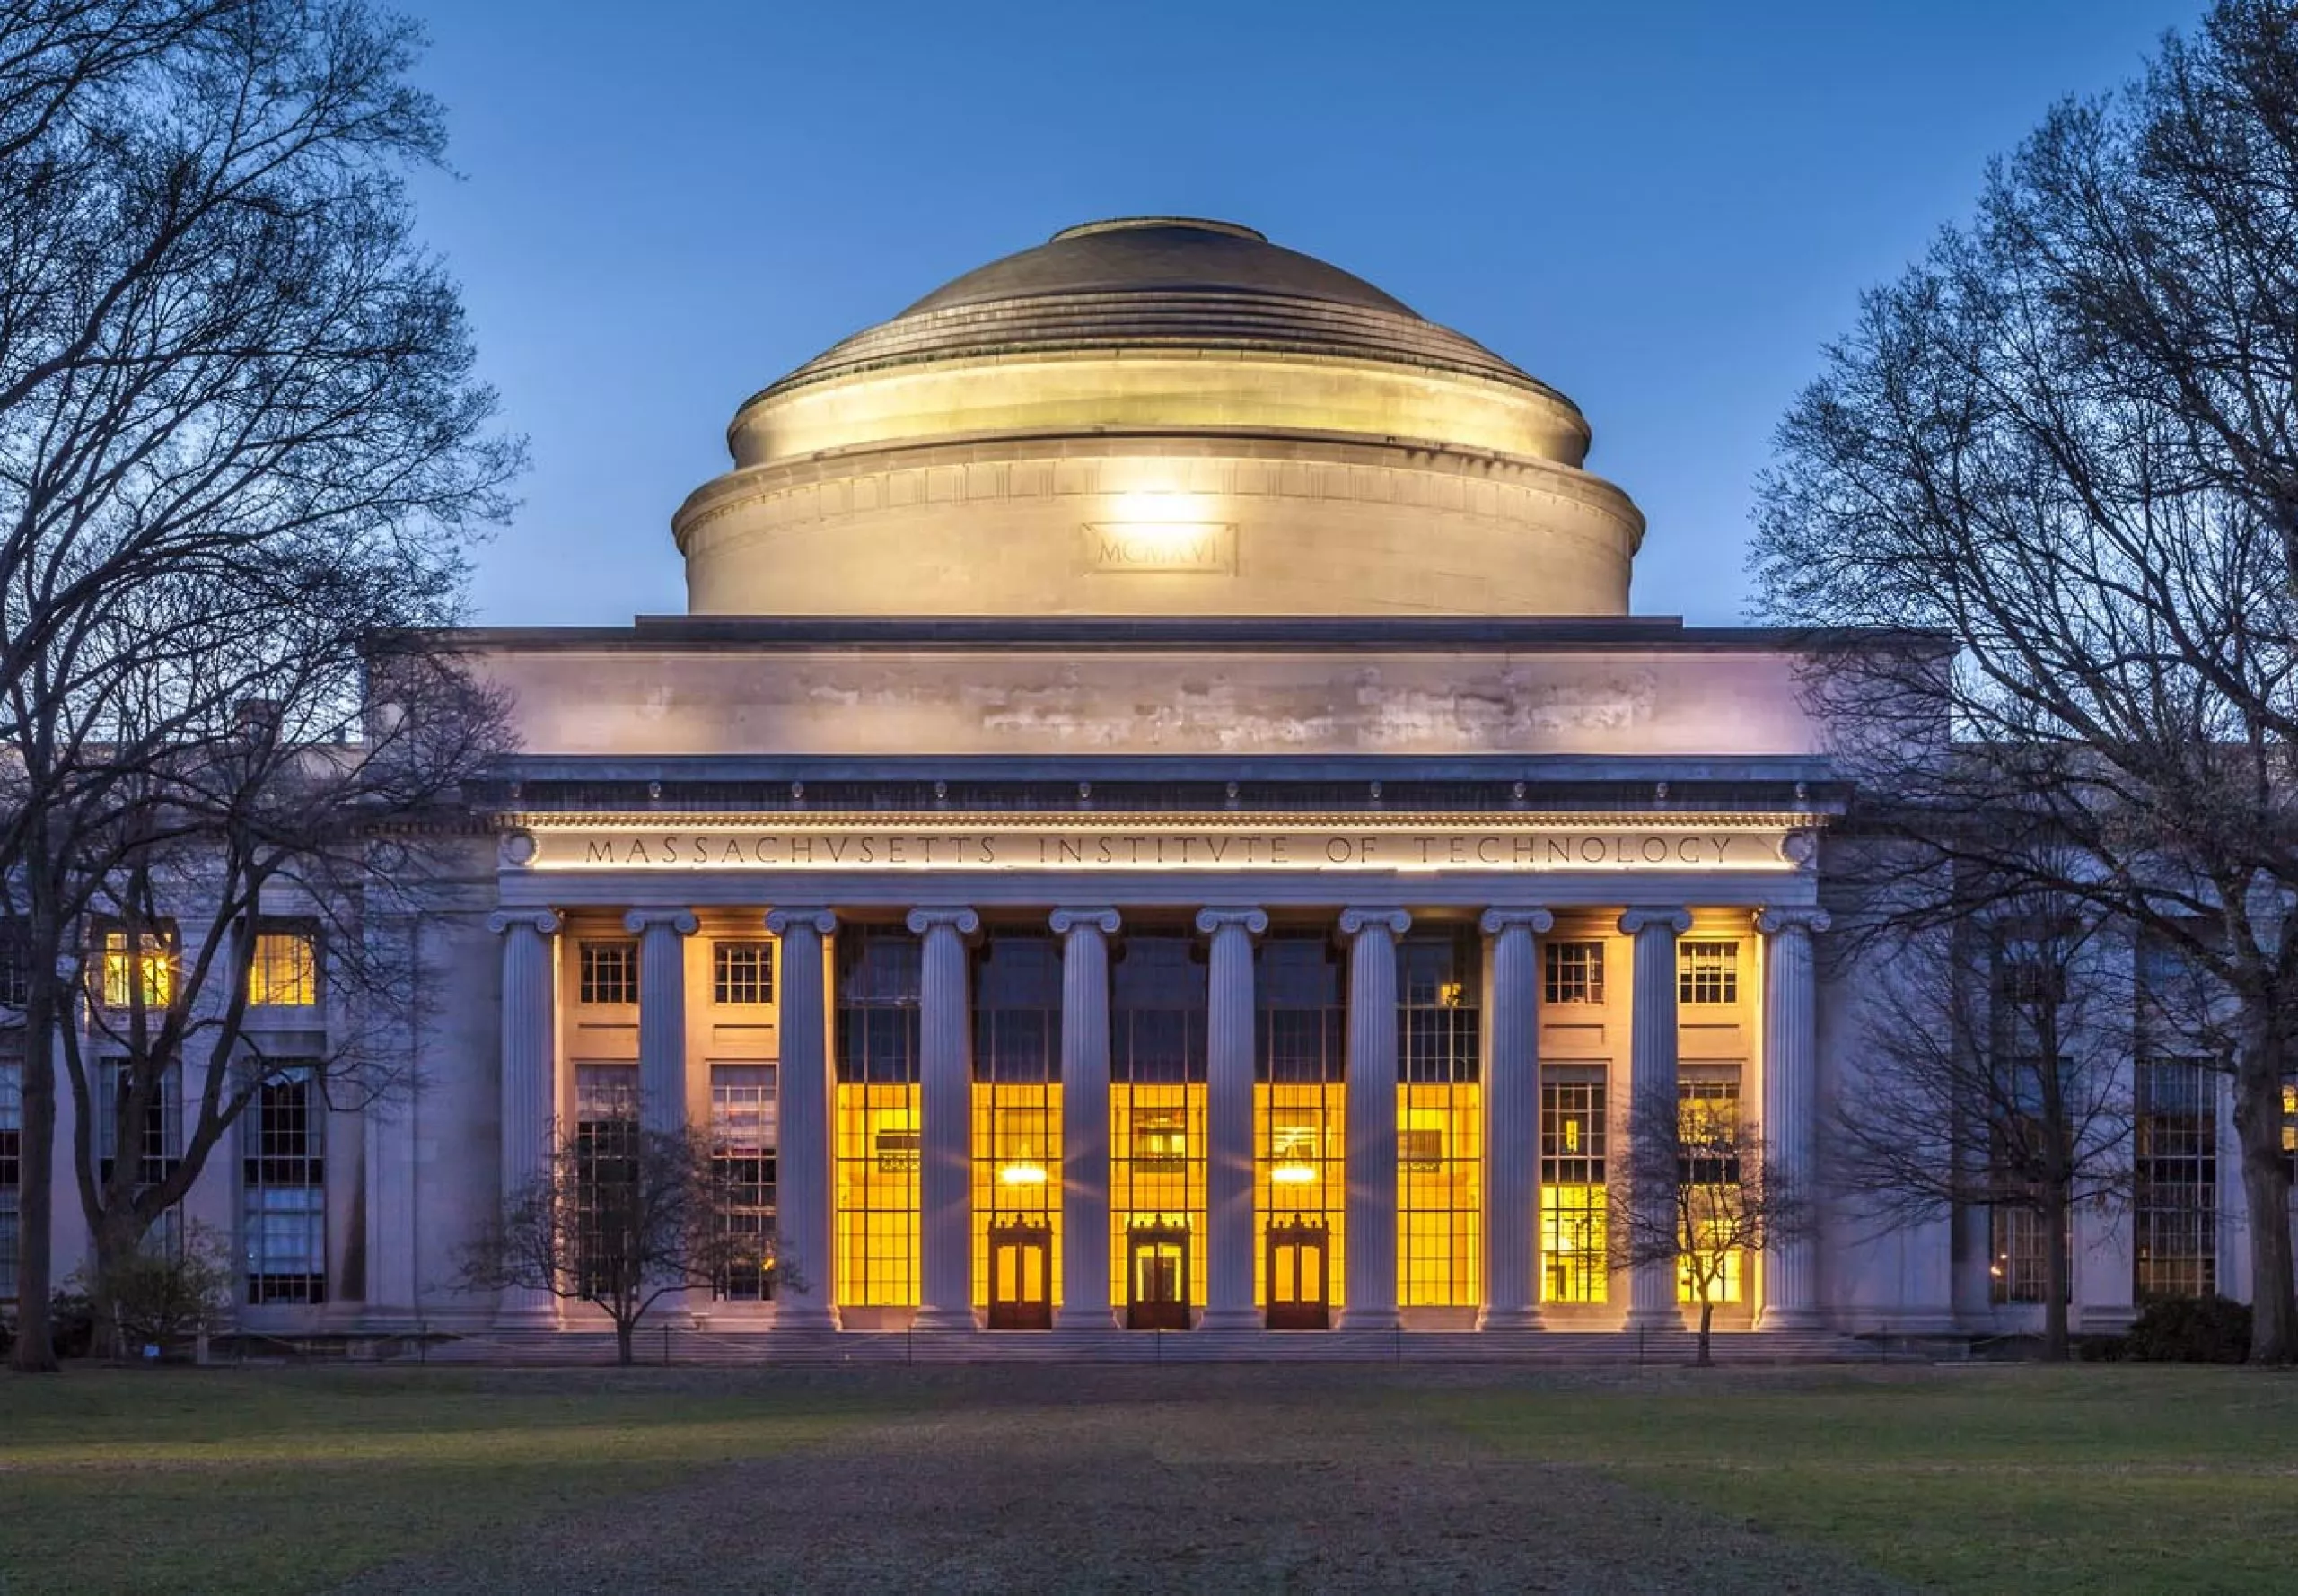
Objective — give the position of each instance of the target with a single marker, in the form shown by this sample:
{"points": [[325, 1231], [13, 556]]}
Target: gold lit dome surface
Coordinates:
{"points": [[1158, 415], [1159, 282]]}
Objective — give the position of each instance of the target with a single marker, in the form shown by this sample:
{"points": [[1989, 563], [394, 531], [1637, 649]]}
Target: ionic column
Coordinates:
{"points": [[1652, 1087], [805, 1217], [945, 1079], [1790, 1090], [530, 1081], [1371, 1242], [1228, 1254], [661, 935], [1512, 1123], [1084, 936]]}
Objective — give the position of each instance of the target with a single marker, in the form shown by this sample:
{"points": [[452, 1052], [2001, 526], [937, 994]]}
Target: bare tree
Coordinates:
{"points": [[237, 425], [621, 1218], [1995, 1076], [1700, 1197], [2053, 452]]}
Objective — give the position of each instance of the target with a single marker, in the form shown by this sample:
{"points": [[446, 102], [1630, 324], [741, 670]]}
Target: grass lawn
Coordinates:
{"points": [[226, 1483], [2128, 1479], [2105, 1479]]}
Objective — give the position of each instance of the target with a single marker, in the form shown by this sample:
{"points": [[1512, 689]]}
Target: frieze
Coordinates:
{"points": [[1725, 843]]}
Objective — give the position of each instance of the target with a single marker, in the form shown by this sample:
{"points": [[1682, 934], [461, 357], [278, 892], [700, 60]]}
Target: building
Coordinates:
{"points": [[1158, 815]]}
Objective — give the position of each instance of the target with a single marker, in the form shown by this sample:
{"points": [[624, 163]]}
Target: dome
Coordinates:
{"points": [[1158, 414], [1159, 282]]}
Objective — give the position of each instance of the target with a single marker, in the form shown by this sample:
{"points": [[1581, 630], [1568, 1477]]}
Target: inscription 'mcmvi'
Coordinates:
{"points": [[1206, 546], [731, 849]]}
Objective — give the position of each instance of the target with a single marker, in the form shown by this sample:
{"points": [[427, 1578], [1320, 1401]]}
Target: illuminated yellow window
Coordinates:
{"points": [[137, 967], [1707, 1116], [1573, 1262], [284, 970]]}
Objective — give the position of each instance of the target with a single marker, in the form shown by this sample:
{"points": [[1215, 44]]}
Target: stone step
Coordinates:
{"points": [[1543, 1348]]}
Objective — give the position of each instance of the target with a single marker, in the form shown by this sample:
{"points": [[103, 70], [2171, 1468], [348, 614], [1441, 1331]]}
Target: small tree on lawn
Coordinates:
{"points": [[1700, 1195], [622, 1217], [158, 1293]]}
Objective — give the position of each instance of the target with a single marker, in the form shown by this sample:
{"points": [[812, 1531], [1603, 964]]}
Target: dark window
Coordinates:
{"points": [[12, 1173], [609, 972], [743, 1137], [1707, 972], [741, 974], [878, 975], [15, 966], [283, 1190], [2176, 1214], [1575, 972], [606, 1142]]}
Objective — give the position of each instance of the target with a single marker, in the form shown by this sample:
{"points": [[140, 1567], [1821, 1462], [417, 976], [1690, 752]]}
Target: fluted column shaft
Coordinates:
{"points": [[1084, 936], [1790, 1092], [1652, 1088], [1512, 1123], [662, 936], [945, 1076], [529, 1079], [1371, 1241], [805, 1217], [1229, 1240]]}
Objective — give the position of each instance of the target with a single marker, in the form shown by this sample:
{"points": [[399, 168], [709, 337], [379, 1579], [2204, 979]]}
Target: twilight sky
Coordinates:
{"points": [[1663, 208]]}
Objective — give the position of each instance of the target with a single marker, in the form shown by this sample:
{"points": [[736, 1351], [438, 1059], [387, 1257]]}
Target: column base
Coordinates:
{"points": [[799, 1315], [1369, 1319], [1768, 1318], [943, 1319], [1233, 1319], [1084, 1319], [1509, 1318], [1653, 1318]]}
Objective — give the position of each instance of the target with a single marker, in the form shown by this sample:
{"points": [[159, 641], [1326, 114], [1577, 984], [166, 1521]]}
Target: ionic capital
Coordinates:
{"points": [[544, 922], [1356, 921], [781, 922], [1497, 919], [1809, 919], [1252, 921], [1646, 918], [1065, 920], [963, 921], [678, 920]]}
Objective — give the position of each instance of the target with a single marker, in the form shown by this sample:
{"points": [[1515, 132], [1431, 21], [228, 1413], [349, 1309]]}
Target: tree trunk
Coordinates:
{"points": [[35, 1349], [626, 1333], [118, 1234], [2266, 1192], [1707, 1320], [2055, 1273]]}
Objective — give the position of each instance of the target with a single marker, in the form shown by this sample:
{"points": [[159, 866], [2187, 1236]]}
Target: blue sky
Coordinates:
{"points": [[1664, 209]]}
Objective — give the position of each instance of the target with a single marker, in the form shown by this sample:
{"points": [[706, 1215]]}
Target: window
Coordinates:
{"points": [[1707, 1163], [741, 974], [15, 966], [609, 972], [2176, 1207], [283, 972], [137, 967], [1157, 1040], [1707, 972], [743, 1137], [1300, 1065], [1571, 1188], [1016, 1108], [159, 1142], [12, 1173], [1440, 1120], [878, 1118], [1575, 972], [606, 1137], [2017, 1268], [283, 1190]]}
